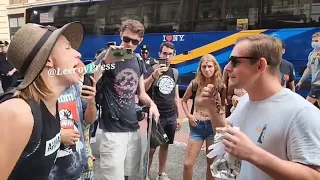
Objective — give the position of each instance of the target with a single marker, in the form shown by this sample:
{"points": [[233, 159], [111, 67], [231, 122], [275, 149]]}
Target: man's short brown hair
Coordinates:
{"points": [[265, 46], [134, 26], [166, 44]]}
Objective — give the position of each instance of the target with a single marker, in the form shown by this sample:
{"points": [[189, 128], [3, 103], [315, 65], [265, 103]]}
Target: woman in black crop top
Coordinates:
{"points": [[30, 134]]}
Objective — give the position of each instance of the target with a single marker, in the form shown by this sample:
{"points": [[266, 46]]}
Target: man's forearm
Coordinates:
{"points": [[280, 169], [98, 73], [145, 99], [148, 82], [176, 102], [305, 74], [218, 120], [91, 113], [291, 86]]}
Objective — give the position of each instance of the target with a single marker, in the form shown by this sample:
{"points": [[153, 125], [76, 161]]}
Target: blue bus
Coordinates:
{"points": [[196, 27]]}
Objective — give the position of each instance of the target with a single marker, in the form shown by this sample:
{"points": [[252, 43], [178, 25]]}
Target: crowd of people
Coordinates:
{"points": [[48, 135]]}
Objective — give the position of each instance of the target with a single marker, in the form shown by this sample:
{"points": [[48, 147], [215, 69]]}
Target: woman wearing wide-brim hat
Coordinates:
{"points": [[30, 124]]}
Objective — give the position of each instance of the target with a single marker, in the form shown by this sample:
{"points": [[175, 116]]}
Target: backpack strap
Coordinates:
{"points": [[142, 66], [175, 75], [194, 93]]}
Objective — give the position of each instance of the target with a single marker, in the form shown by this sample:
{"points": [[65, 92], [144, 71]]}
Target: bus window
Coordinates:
{"points": [[105, 17], [222, 15], [289, 14]]}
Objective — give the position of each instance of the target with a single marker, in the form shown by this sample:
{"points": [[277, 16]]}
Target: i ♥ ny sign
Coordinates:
{"points": [[173, 37]]}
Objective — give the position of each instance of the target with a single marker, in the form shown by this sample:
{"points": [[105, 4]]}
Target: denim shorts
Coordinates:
{"points": [[202, 131]]}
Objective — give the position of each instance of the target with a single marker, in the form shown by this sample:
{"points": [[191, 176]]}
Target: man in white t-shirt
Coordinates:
{"points": [[279, 135]]}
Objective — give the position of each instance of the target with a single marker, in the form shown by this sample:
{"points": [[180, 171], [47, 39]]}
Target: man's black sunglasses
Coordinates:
{"points": [[127, 40], [235, 59]]}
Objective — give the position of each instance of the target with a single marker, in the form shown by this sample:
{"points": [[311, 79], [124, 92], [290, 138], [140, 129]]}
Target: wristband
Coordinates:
{"points": [[153, 77]]}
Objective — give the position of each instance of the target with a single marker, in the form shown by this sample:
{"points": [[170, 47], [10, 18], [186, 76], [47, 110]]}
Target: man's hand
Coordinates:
{"points": [[178, 125], [298, 86], [159, 71], [154, 112], [89, 92], [109, 58], [211, 98], [238, 144], [69, 136]]}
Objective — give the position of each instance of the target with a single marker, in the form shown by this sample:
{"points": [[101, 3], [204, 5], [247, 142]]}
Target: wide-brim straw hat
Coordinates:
{"points": [[32, 44]]}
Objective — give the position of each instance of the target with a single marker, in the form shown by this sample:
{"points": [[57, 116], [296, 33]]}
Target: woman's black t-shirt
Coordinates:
{"points": [[40, 153]]}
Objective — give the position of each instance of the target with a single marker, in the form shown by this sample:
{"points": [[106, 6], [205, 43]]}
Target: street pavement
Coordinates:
{"points": [[174, 168]]}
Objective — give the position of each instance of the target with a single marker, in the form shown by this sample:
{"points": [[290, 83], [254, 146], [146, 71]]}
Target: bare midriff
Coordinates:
{"points": [[200, 114]]}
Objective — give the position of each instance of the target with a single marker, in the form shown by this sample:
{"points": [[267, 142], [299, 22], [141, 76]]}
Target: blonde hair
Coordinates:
{"points": [[262, 45], [215, 79], [316, 35], [36, 91]]}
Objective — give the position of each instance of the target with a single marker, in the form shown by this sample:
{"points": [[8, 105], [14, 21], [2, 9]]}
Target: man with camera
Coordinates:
{"points": [[120, 148], [161, 84]]}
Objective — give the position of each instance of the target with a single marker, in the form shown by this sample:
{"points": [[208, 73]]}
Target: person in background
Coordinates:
{"points": [[313, 68], [30, 134], [145, 54], [76, 107], [287, 72], [161, 84], [9, 74], [209, 72]]}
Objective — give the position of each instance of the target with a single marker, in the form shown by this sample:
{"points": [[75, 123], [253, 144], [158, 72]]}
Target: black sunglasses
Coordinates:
{"points": [[235, 59], [133, 41]]}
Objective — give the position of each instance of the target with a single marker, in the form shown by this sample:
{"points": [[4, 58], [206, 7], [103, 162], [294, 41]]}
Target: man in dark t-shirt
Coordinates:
{"points": [[161, 84], [287, 72], [121, 80]]}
